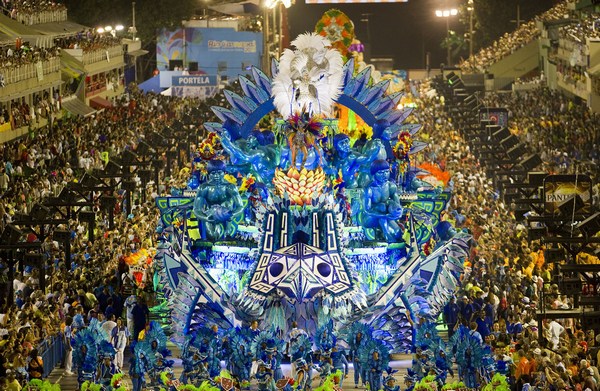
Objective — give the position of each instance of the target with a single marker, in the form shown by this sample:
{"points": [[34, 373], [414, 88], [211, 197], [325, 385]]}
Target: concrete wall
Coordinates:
{"points": [[517, 64]]}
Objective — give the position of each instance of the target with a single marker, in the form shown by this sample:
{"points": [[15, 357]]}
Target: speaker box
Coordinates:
{"points": [[10, 235], [531, 162], [516, 152]]}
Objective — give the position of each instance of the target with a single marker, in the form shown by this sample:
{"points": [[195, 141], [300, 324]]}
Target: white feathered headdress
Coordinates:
{"points": [[309, 78]]}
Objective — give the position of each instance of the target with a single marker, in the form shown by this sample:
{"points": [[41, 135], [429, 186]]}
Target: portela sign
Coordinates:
{"points": [[194, 81]]}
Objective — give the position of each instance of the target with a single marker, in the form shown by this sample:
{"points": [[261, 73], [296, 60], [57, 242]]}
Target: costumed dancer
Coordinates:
{"points": [[241, 360], [325, 339], [301, 353], [237, 353], [292, 337], [325, 368], [207, 341], [155, 336], [200, 372], [389, 382], [160, 365], [474, 359], [357, 336], [410, 380], [106, 368], [340, 364], [302, 380], [266, 347], [264, 376], [189, 359], [142, 362], [277, 357], [443, 366], [423, 361], [375, 356], [86, 344], [216, 346]]}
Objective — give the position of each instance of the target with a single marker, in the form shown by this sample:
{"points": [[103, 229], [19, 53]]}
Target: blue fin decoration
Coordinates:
{"points": [[262, 81]]}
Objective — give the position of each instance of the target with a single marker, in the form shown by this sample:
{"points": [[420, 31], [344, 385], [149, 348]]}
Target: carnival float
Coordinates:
{"points": [[307, 220]]}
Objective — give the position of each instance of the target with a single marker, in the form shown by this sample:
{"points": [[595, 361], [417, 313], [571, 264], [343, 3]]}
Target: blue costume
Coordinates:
{"points": [[340, 363], [375, 356]]}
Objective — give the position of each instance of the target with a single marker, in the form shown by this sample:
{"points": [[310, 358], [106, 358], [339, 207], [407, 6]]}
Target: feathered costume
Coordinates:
{"points": [[191, 359], [88, 343], [142, 362], [430, 353], [389, 382], [350, 336], [268, 347], [301, 355], [375, 357], [301, 347], [474, 360], [240, 356], [325, 339], [498, 383], [155, 336], [39, 385], [207, 343], [309, 78]]}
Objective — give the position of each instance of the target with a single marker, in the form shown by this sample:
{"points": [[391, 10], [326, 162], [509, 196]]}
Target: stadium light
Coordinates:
{"points": [[446, 14]]}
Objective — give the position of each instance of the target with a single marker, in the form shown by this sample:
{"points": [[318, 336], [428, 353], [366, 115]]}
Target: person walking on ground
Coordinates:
{"points": [[120, 340]]}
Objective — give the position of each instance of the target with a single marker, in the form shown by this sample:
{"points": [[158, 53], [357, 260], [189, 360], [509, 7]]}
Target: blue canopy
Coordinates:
{"points": [[151, 85]]}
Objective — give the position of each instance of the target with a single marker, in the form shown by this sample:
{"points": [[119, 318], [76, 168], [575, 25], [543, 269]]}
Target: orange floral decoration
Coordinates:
{"points": [[436, 172], [337, 28]]}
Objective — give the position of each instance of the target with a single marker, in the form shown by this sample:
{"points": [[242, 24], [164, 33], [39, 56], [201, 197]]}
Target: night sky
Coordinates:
{"points": [[404, 31]]}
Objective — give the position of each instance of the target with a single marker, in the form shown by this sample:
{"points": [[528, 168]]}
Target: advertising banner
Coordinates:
{"points": [[194, 81], [212, 51], [567, 195], [498, 115]]}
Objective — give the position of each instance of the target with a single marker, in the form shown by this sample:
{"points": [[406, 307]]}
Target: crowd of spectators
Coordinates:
{"points": [[19, 62], [564, 133], [512, 41], [32, 12], [88, 40], [508, 281], [98, 283], [583, 29]]}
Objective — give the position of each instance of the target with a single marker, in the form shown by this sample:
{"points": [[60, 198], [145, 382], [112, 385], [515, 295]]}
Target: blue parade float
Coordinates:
{"points": [[327, 231]]}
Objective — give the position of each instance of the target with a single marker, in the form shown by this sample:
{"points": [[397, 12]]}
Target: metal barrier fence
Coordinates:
{"points": [[52, 351]]}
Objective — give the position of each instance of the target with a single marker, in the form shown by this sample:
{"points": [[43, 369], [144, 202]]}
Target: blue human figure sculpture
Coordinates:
{"points": [[382, 132], [348, 161], [382, 206], [263, 158], [217, 202]]}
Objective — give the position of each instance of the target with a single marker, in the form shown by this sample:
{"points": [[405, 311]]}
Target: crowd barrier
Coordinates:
{"points": [[32, 18], [15, 74], [99, 55], [51, 350]]}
